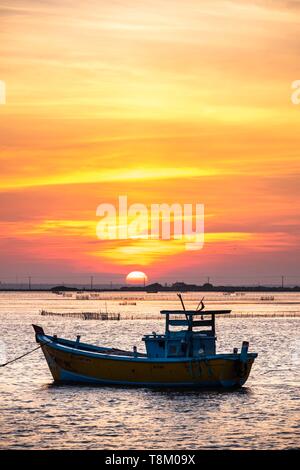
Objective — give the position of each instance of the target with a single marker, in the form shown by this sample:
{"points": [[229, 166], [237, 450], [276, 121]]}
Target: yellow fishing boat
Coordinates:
{"points": [[184, 356]]}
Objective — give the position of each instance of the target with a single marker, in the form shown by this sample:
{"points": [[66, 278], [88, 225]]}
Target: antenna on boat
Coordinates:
{"points": [[183, 306], [181, 300], [201, 303]]}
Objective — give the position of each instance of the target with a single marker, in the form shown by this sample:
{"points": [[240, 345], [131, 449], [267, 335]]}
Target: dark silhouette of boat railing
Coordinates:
{"points": [[83, 315]]}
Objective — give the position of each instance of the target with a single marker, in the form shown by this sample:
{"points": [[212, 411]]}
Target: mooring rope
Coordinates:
{"points": [[276, 370], [20, 357]]}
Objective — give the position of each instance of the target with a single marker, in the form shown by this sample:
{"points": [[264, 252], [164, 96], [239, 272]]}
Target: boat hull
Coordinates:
{"points": [[69, 365]]}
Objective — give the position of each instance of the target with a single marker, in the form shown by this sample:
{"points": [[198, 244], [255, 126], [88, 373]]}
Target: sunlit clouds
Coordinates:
{"points": [[164, 101]]}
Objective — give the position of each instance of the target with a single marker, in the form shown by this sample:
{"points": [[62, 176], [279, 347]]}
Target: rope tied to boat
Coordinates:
{"points": [[20, 357]]}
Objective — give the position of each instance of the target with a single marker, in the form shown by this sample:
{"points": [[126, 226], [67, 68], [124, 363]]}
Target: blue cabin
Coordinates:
{"points": [[197, 339]]}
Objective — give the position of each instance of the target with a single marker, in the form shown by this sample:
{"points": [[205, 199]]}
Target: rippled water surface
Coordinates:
{"points": [[36, 414]]}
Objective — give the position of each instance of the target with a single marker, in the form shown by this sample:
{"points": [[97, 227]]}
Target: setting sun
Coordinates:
{"points": [[136, 277]]}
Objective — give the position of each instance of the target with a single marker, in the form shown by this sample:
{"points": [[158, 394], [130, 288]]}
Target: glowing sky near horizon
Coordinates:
{"points": [[164, 101]]}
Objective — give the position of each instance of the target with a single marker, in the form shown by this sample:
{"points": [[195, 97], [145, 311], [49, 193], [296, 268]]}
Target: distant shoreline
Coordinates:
{"points": [[150, 290]]}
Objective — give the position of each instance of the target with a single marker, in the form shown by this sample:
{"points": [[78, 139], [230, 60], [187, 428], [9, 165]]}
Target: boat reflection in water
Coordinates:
{"points": [[184, 357]]}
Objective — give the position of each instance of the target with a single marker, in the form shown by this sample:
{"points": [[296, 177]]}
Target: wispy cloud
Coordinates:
{"points": [[156, 99]]}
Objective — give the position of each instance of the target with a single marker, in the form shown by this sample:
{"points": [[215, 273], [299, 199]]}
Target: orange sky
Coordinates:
{"points": [[164, 101]]}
